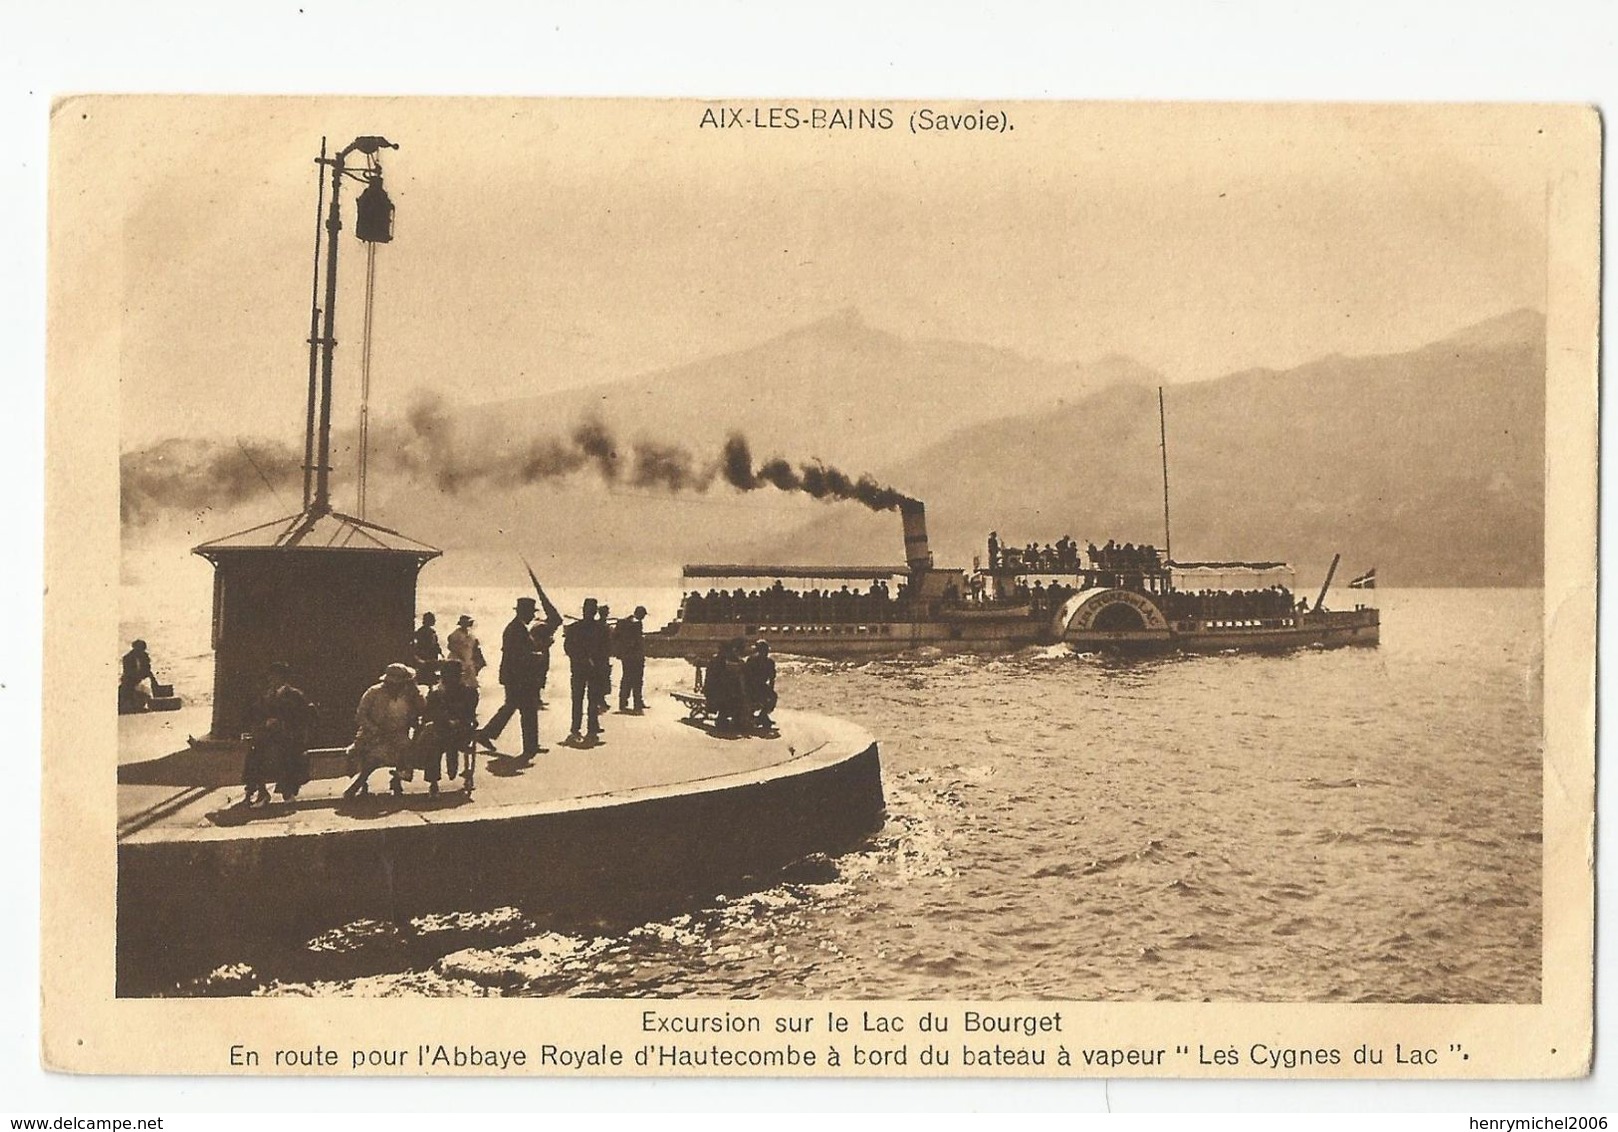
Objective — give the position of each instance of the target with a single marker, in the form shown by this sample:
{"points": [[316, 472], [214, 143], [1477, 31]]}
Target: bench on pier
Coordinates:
{"points": [[695, 702], [697, 708], [700, 709], [329, 762]]}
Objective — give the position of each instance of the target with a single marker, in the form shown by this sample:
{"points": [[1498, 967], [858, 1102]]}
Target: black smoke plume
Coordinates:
{"points": [[428, 449], [815, 479], [196, 475]]}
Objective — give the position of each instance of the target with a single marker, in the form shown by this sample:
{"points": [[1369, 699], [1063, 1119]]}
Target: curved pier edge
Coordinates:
{"points": [[184, 906]]}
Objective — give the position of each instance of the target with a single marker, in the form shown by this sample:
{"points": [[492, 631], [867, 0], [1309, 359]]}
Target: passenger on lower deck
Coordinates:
{"points": [[1231, 605]]}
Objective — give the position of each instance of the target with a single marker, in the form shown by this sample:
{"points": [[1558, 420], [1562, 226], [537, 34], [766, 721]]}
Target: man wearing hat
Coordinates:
{"points": [[582, 641], [382, 725], [519, 674], [465, 647], [629, 643]]}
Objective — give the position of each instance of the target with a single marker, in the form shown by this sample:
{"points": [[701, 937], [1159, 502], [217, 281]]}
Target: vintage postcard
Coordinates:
{"points": [[780, 587]]}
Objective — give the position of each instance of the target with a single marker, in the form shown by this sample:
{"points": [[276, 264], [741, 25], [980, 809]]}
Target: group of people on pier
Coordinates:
{"points": [[396, 726], [739, 686], [399, 727], [422, 712], [777, 604]]}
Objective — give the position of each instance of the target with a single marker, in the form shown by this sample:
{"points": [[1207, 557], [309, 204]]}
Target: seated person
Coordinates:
{"points": [[447, 722], [758, 682], [136, 684], [723, 687]]}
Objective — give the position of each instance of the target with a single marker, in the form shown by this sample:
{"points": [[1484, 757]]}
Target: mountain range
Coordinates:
{"points": [[1428, 463]]}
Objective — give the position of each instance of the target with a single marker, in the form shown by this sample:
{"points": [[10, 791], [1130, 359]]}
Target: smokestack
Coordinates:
{"points": [[917, 552]]}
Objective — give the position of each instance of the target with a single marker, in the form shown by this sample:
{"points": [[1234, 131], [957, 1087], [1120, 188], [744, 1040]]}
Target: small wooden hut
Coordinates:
{"points": [[331, 595]]}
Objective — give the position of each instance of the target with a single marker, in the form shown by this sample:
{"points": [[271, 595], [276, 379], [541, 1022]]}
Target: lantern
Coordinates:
{"points": [[374, 213]]}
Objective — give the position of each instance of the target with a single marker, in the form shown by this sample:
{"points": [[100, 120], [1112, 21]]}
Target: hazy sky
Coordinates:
{"points": [[541, 245]]}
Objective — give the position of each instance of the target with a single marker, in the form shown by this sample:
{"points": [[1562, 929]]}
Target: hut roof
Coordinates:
{"points": [[323, 530]]}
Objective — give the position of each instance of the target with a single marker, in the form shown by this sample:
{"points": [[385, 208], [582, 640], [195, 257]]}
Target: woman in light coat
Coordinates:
{"points": [[387, 711]]}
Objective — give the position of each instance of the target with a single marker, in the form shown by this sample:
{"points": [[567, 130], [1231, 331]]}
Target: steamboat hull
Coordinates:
{"points": [[1360, 627], [1125, 600], [698, 642]]}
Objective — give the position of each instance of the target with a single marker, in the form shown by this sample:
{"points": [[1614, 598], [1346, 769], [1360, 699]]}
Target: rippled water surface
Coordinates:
{"points": [[1344, 825]]}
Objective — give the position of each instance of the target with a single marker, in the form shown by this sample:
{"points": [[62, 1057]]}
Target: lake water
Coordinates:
{"points": [[1344, 825]]}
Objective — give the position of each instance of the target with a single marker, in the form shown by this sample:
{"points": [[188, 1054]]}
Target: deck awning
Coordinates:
{"points": [[702, 570], [1229, 566], [1192, 576]]}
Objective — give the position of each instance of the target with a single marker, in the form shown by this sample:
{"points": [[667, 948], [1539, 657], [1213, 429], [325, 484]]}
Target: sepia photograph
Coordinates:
{"points": [[749, 551]]}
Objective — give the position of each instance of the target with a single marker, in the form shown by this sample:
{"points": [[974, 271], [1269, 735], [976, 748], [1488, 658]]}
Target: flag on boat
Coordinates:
{"points": [[1366, 581]]}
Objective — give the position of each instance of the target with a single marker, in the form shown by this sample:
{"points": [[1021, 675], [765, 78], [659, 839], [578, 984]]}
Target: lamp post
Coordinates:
{"points": [[373, 224], [288, 590]]}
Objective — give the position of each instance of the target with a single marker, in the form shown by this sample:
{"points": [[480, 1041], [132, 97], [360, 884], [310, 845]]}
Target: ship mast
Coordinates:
{"points": [[1163, 442]]}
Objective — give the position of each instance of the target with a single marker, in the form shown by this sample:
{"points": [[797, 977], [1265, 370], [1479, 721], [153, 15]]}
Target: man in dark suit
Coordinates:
{"points": [[520, 675], [584, 643], [543, 634], [629, 642], [758, 680]]}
